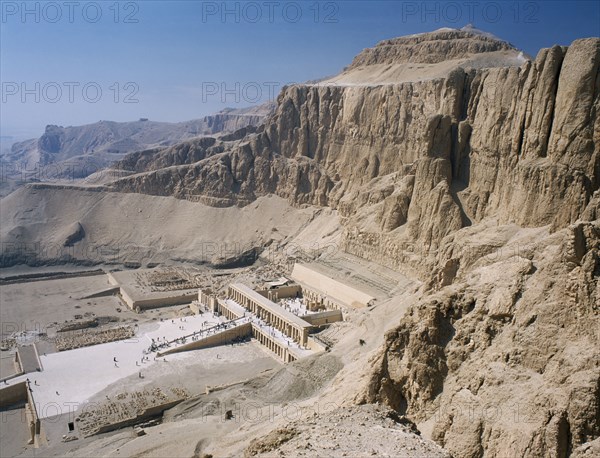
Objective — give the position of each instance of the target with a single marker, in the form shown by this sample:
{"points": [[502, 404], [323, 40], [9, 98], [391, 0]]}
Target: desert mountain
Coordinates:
{"points": [[95, 146], [428, 156], [450, 156]]}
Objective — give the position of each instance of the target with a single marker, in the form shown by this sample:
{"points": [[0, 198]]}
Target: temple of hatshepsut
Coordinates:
{"points": [[284, 315]]}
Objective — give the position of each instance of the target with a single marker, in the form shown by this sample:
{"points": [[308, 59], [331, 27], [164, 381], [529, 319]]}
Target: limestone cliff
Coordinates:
{"points": [[488, 139], [435, 47], [505, 361], [454, 157], [451, 156]]}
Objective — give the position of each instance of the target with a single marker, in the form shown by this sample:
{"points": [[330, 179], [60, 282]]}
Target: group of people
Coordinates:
{"points": [[295, 306], [160, 344], [157, 344]]}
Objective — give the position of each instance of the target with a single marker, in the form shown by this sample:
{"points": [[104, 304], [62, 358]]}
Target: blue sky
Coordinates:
{"points": [[179, 56]]}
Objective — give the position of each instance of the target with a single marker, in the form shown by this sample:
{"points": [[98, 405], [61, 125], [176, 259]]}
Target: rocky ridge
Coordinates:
{"points": [[95, 146], [412, 162], [504, 361], [442, 178], [430, 48], [483, 182]]}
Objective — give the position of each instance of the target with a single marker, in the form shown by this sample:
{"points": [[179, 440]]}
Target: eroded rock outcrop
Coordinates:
{"points": [[496, 140], [431, 48], [505, 360]]}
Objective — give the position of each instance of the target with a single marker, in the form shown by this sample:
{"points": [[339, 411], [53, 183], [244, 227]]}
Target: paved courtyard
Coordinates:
{"points": [[70, 378]]}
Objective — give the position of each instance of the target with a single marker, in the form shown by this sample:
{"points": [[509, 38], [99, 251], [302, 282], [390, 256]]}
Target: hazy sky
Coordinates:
{"points": [[78, 62]]}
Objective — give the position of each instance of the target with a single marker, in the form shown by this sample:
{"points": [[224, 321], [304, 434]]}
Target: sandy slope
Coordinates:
{"points": [[139, 228]]}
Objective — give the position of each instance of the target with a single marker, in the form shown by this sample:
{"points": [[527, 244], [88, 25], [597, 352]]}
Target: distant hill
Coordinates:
{"points": [[6, 141], [84, 149]]}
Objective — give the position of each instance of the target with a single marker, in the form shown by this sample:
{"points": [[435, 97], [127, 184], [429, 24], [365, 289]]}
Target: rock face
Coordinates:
{"points": [[430, 48], [427, 157], [505, 361]]}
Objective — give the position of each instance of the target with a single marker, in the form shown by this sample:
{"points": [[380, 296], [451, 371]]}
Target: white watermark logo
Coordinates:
{"points": [[68, 91], [70, 12], [270, 12]]}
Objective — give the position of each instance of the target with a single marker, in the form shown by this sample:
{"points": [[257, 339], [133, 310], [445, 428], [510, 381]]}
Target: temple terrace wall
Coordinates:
{"points": [[326, 317], [154, 299], [321, 285], [220, 338]]}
